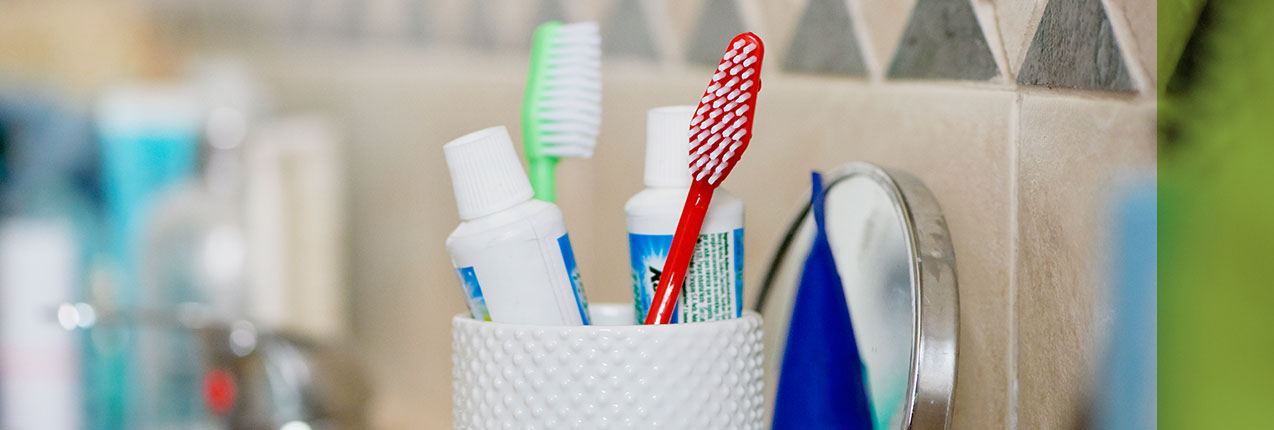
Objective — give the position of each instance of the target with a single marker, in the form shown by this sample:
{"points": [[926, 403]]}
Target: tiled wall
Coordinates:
{"points": [[1020, 115]]}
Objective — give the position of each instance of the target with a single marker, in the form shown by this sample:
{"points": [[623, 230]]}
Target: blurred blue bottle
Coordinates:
{"points": [[48, 236], [195, 254], [821, 385], [148, 135], [1125, 398]]}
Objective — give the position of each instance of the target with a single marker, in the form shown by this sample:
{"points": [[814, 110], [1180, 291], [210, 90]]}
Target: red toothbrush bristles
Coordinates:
{"points": [[722, 125], [719, 132]]}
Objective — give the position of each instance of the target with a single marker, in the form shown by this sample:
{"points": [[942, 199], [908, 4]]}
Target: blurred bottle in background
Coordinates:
{"points": [[39, 372], [251, 242], [149, 133], [48, 235], [163, 213], [296, 226], [194, 251]]}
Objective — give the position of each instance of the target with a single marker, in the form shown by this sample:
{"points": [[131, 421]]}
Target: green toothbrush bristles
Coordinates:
{"points": [[562, 111]]}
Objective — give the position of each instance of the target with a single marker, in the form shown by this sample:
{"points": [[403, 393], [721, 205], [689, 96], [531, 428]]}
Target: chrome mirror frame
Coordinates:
{"points": [[932, 378]]}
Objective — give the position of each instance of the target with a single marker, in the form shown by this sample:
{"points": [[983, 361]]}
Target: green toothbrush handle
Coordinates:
{"points": [[541, 167], [543, 172]]}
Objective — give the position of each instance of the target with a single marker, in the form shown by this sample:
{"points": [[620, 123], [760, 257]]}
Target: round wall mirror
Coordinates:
{"points": [[894, 257]]}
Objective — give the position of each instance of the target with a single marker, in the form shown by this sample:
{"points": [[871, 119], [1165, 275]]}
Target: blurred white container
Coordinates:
{"points": [[39, 356], [608, 375], [295, 222]]}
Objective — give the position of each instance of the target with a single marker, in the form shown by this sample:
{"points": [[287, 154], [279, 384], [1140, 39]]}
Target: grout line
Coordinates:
{"points": [[1014, 141], [626, 69], [1032, 27], [662, 32], [1129, 53], [1079, 94], [986, 14], [990, 86], [751, 15], [875, 69]]}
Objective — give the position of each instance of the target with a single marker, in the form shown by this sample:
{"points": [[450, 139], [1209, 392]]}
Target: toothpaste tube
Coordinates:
{"points": [[511, 253], [713, 288]]}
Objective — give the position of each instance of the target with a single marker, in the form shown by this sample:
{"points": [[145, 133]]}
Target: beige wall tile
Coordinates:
{"points": [[1016, 21], [448, 18], [957, 142], [404, 292], [774, 172], [779, 19], [669, 21], [682, 15], [386, 19], [398, 114], [884, 21], [616, 173], [1070, 155], [1138, 17], [589, 10], [769, 179], [513, 19]]}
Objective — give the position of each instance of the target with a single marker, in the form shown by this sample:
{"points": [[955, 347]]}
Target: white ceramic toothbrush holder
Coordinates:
{"points": [[610, 375]]}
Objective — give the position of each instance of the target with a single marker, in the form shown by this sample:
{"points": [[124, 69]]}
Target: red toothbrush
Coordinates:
{"points": [[719, 132]]}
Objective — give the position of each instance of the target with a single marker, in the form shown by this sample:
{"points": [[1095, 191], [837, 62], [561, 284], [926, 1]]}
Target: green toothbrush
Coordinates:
{"points": [[562, 109]]}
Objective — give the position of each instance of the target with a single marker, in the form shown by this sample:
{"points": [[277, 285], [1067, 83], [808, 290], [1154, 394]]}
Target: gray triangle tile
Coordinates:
{"points": [[419, 26], [825, 41], [943, 40], [719, 22], [479, 31], [1074, 47], [299, 17], [550, 10], [355, 17], [628, 32], [545, 11]]}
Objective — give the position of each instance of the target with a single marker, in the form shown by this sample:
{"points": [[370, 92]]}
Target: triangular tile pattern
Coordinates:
{"points": [[479, 33], [628, 32], [1075, 47], [825, 41], [419, 26], [355, 18], [550, 10], [300, 12], [718, 23], [545, 11], [943, 40]]}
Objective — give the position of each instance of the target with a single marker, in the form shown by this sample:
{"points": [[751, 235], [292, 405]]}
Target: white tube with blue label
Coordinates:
{"points": [[713, 288], [511, 253]]}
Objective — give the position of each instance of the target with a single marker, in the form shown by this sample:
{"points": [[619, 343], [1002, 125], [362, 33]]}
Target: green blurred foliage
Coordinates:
{"points": [[1176, 24], [1216, 214]]}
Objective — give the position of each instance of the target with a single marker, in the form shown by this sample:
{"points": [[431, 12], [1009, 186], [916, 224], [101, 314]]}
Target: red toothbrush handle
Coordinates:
{"points": [[683, 247]]}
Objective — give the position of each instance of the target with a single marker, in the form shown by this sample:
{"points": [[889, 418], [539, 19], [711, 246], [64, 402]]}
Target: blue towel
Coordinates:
{"points": [[821, 385]]}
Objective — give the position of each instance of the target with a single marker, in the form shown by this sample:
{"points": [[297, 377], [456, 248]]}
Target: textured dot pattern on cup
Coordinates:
{"points": [[683, 376]]}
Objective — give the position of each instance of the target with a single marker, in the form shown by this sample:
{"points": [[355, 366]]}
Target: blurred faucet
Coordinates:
{"points": [[251, 379]]}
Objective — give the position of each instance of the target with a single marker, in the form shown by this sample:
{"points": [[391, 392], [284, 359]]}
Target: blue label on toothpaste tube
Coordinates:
{"points": [[568, 256], [713, 288], [473, 293], [647, 253]]}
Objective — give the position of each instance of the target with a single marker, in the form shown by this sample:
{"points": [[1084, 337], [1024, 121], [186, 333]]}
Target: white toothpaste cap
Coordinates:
{"points": [[485, 173]]}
